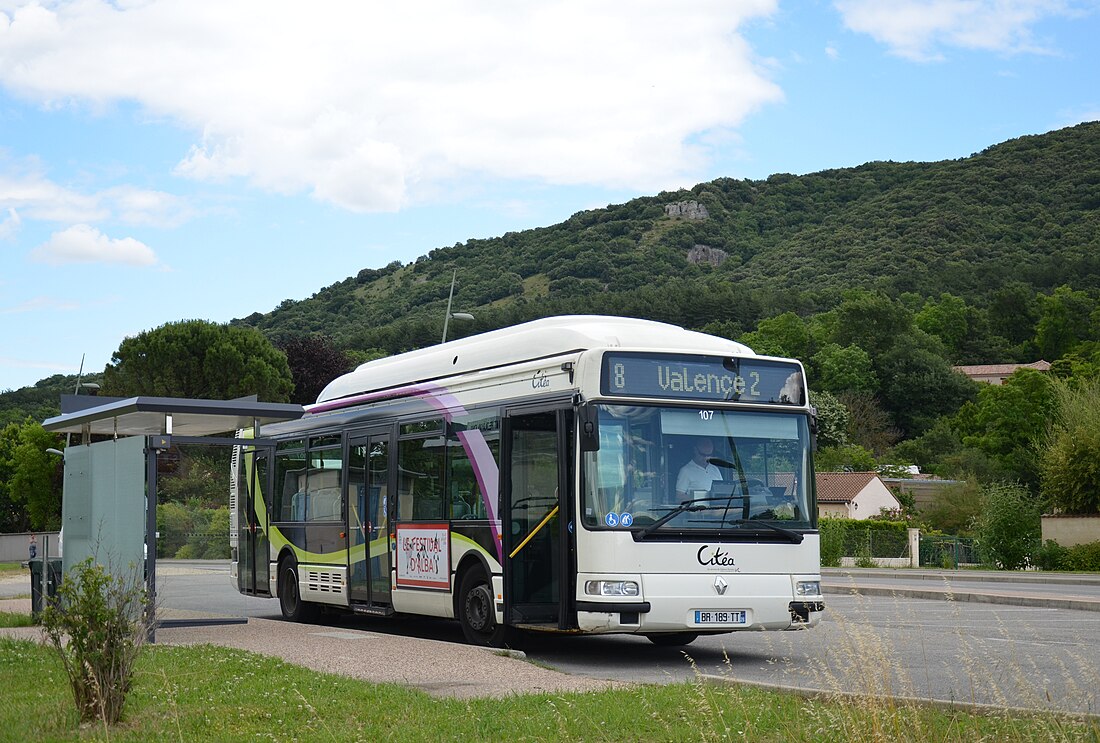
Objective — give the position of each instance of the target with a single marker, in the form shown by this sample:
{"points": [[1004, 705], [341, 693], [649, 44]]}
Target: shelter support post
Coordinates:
{"points": [[151, 539]]}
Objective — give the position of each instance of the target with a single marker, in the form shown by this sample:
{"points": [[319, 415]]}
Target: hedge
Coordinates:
{"points": [[1081, 557], [862, 539]]}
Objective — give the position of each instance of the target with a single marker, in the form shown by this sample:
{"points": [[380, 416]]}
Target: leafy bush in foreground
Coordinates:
{"points": [[96, 627]]}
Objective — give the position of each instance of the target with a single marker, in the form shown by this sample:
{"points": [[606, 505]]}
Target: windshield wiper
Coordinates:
{"points": [[793, 536], [697, 504]]}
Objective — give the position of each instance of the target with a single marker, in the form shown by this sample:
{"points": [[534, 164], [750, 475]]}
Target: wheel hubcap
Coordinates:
{"points": [[479, 608]]}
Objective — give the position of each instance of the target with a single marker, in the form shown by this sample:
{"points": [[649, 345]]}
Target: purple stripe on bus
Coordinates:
{"points": [[476, 447], [485, 470], [477, 451]]}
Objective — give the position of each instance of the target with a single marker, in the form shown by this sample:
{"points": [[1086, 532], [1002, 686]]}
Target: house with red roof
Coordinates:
{"points": [[852, 495]]}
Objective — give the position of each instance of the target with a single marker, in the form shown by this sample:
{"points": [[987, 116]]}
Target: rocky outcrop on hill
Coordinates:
{"points": [[686, 210]]}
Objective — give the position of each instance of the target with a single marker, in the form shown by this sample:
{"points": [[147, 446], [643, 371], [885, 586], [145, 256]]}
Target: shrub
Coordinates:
{"points": [[864, 559], [97, 629], [955, 508], [1051, 556], [1084, 557], [832, 541], [1070, 453], [1009, 526], [186, 552]]}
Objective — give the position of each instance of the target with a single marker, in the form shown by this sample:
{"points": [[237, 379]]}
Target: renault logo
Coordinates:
{"points": [[720, 585]]}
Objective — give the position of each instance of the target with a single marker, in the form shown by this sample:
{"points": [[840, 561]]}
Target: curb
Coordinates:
{"points": [[1048, 602], [966, 576]]}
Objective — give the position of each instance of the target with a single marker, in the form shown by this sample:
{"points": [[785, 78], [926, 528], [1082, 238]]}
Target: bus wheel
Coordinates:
{"points": [[477, 611], [673, 639], [290, 600]]}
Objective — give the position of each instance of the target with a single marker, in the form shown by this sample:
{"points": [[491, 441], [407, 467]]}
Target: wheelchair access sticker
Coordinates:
{"points": [[618, 519]]}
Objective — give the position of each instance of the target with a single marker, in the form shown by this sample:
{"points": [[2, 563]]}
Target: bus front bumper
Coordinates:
{"points": [[693, 603]]}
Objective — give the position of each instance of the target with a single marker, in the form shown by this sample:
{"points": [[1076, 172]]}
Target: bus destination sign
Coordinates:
{"points": [[694, 377]]}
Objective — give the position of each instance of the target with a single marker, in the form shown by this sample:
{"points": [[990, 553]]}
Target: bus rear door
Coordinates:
{"points": [[253, 501]]}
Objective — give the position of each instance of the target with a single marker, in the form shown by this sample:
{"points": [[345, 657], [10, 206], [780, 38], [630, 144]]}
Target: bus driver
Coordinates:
{"points": [[698, 473]]}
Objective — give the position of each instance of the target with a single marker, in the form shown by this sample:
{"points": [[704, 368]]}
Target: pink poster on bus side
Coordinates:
{"points": [[424, 555]]}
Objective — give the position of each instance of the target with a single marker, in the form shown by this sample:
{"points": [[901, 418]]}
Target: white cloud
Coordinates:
{"points": [[137, 206], [10, 224], [84, 244], [371, 105], [920, 29], [39, 198], [36, 197]]}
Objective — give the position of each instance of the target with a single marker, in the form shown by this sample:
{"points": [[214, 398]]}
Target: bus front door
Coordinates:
{"points": [[535, 569], [368, 519], [253, 498]]}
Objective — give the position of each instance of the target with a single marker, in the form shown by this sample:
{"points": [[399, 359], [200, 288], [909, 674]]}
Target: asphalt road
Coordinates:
{"points": [[1033, 657]]}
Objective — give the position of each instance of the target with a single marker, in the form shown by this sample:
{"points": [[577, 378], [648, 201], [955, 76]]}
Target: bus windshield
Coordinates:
{"points": [[664, 471]]}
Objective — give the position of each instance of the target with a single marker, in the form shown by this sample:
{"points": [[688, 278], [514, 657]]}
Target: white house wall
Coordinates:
{"points": [[871, 500]]}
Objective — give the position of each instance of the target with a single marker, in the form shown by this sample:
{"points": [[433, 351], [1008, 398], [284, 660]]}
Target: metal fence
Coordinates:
{"points": [[949, 552], [873, 543]]}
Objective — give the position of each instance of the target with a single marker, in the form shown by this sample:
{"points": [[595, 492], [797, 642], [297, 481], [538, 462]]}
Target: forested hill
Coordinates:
{"points": [[1025, 213]]}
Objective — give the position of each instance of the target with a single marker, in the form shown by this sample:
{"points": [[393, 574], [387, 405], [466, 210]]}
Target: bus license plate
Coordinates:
{"points": [[720, 616]]}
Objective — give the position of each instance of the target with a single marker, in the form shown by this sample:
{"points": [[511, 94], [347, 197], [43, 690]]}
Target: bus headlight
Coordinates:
{"points": [[611, 588], [807, 588]]}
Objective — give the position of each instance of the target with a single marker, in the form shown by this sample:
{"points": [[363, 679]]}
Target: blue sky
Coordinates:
{"points": [[166, 159]]}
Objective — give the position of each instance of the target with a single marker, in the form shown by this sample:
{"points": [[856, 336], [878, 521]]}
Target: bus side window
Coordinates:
{"points": [[421, 470], [470, 437], [466, 498], [289, 501]]}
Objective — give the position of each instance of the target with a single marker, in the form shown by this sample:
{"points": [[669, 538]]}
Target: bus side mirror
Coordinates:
{"points": [[588, 426], [813, 429]]}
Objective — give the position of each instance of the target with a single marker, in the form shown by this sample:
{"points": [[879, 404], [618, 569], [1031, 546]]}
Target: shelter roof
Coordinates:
{"points": [[146, 416]]}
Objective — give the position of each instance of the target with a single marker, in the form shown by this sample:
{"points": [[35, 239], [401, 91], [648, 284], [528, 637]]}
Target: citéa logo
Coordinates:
{"points": [[715, 556], [540, 380]]}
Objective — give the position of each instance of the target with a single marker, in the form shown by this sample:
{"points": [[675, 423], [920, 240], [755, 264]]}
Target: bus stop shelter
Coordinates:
{"points": [[109, 502]]}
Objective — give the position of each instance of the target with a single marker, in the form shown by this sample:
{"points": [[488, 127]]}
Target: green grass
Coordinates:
{"points": [[217, 694], [14, 619], [8, 569]]}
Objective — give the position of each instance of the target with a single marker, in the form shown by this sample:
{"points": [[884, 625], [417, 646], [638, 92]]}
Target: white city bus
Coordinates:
{"points": [[573, 474]]}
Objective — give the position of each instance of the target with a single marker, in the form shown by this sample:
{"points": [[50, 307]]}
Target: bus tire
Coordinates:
{"points": [[477, 611], [291, 604], [672, 639]]}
